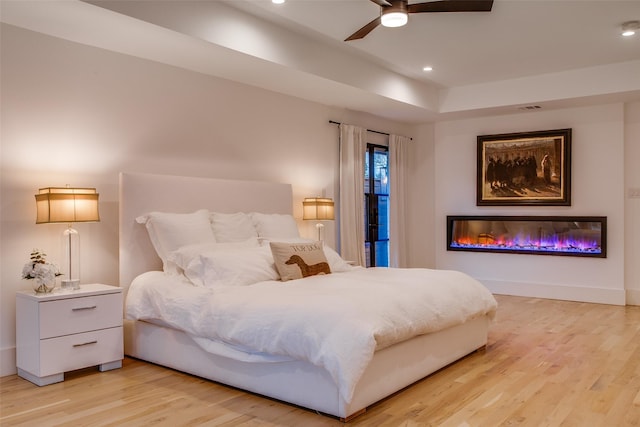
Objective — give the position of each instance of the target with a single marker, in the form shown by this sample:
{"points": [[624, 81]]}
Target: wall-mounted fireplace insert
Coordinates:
{"points": [[540, 235]]}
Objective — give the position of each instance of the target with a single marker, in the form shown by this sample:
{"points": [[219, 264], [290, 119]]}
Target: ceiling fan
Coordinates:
{"points": [[394, 13]]}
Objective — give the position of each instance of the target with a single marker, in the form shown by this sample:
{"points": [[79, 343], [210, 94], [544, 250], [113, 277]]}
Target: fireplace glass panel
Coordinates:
{"points": [[573, 236]]}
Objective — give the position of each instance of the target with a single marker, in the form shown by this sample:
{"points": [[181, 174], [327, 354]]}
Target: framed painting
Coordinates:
{"points": [[524, 169]]}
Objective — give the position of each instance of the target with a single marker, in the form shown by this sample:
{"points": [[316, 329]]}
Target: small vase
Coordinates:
{"points": [[43, 286]]}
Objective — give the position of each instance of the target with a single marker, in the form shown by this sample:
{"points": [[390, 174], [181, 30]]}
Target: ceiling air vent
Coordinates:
{"points": [[530, 107]]}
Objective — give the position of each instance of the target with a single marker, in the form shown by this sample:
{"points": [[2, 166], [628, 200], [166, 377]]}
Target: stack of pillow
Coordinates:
{"points": [[236, 249]]}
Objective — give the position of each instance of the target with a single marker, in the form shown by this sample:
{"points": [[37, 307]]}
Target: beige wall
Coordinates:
{"points": [[603, 137], [632, 205], [78, 115]]}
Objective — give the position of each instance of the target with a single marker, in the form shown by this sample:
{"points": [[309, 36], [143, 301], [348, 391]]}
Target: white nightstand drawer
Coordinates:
{"points": [[73, 315], [78, 351]]}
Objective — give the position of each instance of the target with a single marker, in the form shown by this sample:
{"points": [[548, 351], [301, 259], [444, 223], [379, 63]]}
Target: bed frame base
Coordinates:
{"points": [[302, 383]]}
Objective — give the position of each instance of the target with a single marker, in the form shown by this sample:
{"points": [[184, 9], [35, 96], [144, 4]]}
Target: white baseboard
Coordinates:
{"points": [[633, 296], [8, 361], [561, 292]]}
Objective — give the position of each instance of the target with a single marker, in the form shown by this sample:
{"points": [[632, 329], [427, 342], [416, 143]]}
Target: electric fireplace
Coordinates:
{"points": [[540, 235]]}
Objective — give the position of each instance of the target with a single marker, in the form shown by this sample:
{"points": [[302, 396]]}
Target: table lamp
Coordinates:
{"points": [[318, 209], [68, 205]]}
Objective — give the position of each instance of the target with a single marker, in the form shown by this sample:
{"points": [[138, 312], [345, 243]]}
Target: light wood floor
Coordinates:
{"points": [[548, 363]]}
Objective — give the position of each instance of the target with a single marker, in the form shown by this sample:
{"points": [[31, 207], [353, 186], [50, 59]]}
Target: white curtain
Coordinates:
{"points": [[398, 146], [352, 150]]}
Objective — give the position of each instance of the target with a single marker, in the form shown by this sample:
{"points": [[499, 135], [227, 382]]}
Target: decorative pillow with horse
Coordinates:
{"points": [[298, 260]]}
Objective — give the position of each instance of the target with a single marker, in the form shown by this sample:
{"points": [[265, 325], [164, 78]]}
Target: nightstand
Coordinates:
{"points": [[68, 330]]}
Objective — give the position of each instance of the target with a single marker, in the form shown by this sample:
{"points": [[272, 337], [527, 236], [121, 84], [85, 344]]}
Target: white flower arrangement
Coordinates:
{"points": [[42, 271]]}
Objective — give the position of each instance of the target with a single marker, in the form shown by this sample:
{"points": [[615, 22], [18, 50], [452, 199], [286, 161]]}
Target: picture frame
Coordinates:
{"points": [[524, 169]]}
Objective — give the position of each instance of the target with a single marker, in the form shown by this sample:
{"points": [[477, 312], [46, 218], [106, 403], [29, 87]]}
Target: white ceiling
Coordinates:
{"points": [[516, 39], [550, 53]]}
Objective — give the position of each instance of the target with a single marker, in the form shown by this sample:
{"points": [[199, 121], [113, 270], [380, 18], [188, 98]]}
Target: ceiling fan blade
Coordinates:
{"points": [[452, 6], [382, 2], [364, 30]]}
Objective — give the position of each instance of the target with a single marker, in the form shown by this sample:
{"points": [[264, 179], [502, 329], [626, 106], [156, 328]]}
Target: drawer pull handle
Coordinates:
{"points": [[84, 308], [86, 343]]}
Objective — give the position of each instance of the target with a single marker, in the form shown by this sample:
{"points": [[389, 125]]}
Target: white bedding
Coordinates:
{"points": [[334, 321]]}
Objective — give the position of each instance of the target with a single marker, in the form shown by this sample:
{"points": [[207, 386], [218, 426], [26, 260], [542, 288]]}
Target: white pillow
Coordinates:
{"points": [[298, 260], [234, 227], [170, 231], [238, 267], [336, 262], [186, 254], [275, 225]]}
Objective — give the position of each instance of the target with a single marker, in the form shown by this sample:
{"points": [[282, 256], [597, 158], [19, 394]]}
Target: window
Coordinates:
{"points": [[376, 205]]}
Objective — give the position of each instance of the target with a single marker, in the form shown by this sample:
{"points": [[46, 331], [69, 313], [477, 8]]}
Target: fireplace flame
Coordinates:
{"points": [[521, 242]]}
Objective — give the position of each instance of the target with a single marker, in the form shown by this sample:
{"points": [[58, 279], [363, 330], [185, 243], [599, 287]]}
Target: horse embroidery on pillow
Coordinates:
{"points": [[309, 270]]}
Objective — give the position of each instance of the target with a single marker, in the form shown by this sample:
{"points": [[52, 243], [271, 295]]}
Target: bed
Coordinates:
{"points": [[311, 383]]}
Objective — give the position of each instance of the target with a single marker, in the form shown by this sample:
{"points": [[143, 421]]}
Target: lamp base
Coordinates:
{"points": [[320, 227], [73, 284]]}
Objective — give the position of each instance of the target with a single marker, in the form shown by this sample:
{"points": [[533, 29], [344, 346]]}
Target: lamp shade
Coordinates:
{"points": [[317, 208], [67, 205]]}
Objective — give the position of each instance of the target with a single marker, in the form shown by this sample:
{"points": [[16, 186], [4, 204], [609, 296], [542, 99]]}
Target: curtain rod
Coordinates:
{"points": [[368, 130]]}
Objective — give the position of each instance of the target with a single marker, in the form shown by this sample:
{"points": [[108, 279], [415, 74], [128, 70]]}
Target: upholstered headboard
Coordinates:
{"points": [[144, 193]]}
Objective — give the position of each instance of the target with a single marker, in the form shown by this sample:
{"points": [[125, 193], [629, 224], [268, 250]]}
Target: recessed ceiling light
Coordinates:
{"points": [[630, 28], [277, 1], [427, 68]]}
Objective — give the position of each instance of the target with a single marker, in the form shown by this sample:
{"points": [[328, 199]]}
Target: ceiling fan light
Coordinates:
{"points": [[395, 15], [394, 19]]}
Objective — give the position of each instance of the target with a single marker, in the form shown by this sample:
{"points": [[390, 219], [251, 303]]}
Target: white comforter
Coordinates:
{"points": [[335, 321]]}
